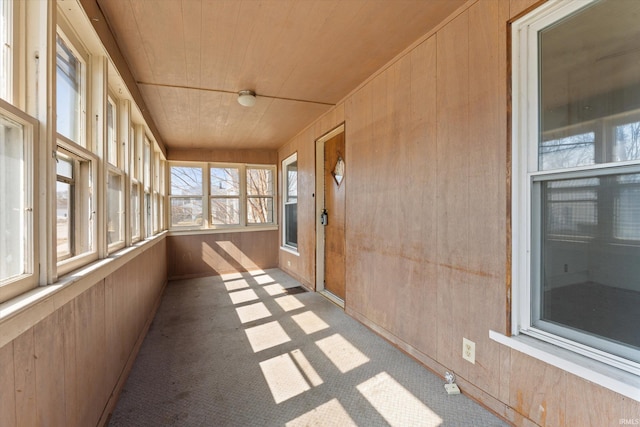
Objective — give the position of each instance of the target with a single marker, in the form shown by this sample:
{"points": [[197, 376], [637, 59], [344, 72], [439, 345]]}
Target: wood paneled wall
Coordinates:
{"points": [[68, 369], [302, 265], [426, 233], [198, 255]]}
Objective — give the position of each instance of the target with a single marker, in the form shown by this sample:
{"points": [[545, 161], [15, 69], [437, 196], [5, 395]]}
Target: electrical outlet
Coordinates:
{"points": [[288, 263], [469, 350]]}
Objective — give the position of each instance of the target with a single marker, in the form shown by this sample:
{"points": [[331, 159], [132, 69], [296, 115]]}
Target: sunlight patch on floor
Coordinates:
{"points": [[309, 322], [398, 406], [251, 312], [289, 303], [342, 353], [330, 414], [263, 279], [275, 289], [230, 276], [243, 296], [265, 336], [283, 377], [234, 285]]}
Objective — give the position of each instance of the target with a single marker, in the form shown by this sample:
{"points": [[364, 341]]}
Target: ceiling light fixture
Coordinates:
{"points": [[247, 98]]}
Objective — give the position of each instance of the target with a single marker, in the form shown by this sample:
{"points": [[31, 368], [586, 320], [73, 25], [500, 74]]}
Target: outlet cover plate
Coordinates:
{"points": [[469, 350]]}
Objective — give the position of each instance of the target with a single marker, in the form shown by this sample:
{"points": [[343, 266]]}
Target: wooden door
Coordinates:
{"points": [[334, 200]]}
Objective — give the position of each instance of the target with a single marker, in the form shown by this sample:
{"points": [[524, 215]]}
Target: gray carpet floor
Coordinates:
{"points": [[255, 349]]}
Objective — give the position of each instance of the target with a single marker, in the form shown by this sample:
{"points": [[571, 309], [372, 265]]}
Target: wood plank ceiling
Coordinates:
{"points": [[190, 58]]}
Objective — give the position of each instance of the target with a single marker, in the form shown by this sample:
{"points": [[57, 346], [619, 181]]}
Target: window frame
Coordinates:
{"points": [[120, 243], [243, 225], [273, 196], [84, 193], [211, 197], [81, 54], [30, 134], [293, 158], [525, 194], [201, 195]]}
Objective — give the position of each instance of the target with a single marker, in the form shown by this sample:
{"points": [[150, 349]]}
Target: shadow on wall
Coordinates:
{"points": [[201, 255]]}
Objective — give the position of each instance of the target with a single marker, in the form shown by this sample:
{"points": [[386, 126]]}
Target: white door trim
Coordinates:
{"points": [[319, 207]]}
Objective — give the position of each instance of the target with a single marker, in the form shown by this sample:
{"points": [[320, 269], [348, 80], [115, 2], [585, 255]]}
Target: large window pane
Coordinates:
{"points": [[259, 182], [186, 211], [260, 210], [13, 206], [225, 211], [260, 192], [225, 181], [589, 70], [186, 181], [590, 246], [68, 92]]}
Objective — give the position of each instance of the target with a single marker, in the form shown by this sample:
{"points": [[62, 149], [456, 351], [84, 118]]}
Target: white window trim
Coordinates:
{"points": [[76, 261], [73, 43], [580, 360], [30, 279], [285, 180], [245, 194], [202, 196]]}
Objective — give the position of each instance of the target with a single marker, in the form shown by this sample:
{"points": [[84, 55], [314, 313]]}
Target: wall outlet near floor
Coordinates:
{"points": [[469, 350]]}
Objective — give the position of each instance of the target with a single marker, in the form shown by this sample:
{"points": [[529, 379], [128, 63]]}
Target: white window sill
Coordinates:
{"points": [[617, 380], [22, 312], [290, 250], [188, 231]]}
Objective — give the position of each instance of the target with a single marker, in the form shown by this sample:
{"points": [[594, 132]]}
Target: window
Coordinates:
{"points": [[74, 206], [69, 91], [576, 169], [134, 173], [259, 195], [17, 186], [225, 195], [238, 195], [290, 201], [186, 196]]}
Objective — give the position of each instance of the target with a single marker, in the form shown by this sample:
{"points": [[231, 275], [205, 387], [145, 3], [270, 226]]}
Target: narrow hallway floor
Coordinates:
{"points": [[256, 349]]}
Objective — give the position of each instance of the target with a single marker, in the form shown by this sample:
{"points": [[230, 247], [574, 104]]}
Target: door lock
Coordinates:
{"points": [[324, 218]]}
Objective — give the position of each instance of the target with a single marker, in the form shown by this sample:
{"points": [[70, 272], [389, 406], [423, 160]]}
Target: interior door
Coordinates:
{"points": [[334, 205]]}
